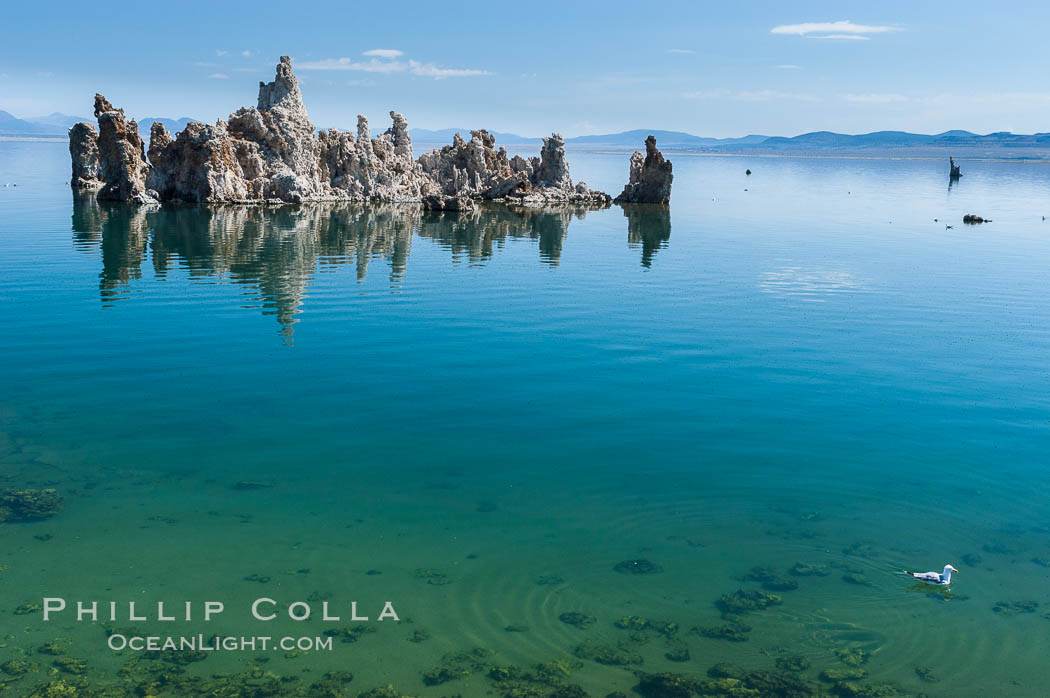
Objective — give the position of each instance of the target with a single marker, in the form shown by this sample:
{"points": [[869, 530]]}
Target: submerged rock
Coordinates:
{"points": [[83, 151], [805, 569], [741, 601], [29, 504], [650, 178], [794, 663], [608, 654], [732, 632], [1011, 608], [577, 619], [726, 670], [677, 651], [635, 623], [770, 579], [835, 675], [926, 674], [857, 578], [17, 667], [666, 685], [640, 566], [457, 665]]}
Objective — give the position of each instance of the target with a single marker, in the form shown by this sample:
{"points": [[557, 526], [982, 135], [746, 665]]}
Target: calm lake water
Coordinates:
{"points": [[479, 417]]}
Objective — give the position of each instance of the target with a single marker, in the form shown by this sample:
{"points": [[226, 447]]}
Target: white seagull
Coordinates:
{"points": [[939, 578]]}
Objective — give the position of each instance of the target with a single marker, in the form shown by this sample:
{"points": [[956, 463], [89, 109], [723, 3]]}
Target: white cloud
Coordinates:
{"points": [[842, 37], [680, 50], [788, 66], [220, 52], [875, 98], [384, 53], [219, 76], [429, 70], [385, 63], [843, 29], [749, 95], [246, 53], [372, 66]]}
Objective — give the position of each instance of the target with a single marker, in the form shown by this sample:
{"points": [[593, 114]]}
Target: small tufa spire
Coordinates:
{"points": [[284, 87]]}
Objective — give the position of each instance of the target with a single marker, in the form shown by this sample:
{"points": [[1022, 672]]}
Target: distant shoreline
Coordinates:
{"points": [[36, 139], [897, 154], [811, 155]]}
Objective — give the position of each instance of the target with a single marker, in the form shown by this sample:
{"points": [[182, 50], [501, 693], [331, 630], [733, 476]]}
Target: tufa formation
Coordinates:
{"points": [[650, 177], [271, 153]]}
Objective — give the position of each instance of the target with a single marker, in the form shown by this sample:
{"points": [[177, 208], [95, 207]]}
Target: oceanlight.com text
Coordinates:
{"points": [[216, 643]]}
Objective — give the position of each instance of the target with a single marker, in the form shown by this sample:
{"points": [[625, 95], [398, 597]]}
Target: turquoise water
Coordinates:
{"points": [[800, 366]]}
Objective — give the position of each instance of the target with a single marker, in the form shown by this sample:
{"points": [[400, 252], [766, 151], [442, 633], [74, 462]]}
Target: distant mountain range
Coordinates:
{"points": [[819, 140], [632, 139], [56, 125], [52, 125], [965, 142]]}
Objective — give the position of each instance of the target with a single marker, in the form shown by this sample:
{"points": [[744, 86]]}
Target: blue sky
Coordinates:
{"points": [[713, 69]]}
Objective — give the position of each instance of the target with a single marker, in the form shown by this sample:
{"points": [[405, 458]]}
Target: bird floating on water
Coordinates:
{"points": [[939, 578]]}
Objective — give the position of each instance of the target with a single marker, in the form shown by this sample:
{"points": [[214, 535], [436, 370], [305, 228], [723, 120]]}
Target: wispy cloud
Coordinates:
{"points": [[749, 95], [219, 76], [220, 52], [429, 70], [788, 66], [843, 29], [246, 53], [875, 98], [372, 66], [385, 61], [383, 53], [680, 50], [842, 37]]}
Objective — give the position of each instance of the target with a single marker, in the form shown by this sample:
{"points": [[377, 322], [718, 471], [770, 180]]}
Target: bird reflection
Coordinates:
{"points": [[274, 253]]}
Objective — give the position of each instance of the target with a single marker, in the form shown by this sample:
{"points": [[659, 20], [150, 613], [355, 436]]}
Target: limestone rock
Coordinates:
{"points": [[467, 168], [272, 153], [83, 150], [476, 169], [277, 149], [122, 157], [199, 165], [552, 170], [650, 178]]}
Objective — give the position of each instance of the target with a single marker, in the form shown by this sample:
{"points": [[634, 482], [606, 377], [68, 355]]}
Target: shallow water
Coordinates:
{"points": [[800, 366]]}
